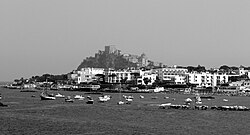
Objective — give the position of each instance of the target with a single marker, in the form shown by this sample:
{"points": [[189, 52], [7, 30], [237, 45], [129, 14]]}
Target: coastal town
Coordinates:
{"points": [[142, 75], [139, 67], [113, 90]]}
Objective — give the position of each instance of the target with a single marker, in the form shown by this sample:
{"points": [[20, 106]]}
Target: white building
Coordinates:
{"points": [[146, 74], [118, 75], [178, 75], [89, 74], [207, 79], [243, 71]]}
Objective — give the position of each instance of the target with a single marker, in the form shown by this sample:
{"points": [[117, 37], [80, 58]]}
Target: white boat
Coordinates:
{"points": [[78, 97], [58, 95], [225, 100], [158, 89], [129, 100], [126, 97], [198, 102], [81, 98], [163, 106], [141, 96], [104, 98], [188, 101], [120, 103]]}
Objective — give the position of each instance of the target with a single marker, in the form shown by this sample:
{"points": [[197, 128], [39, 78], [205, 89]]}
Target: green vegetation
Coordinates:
{"points": [[104, 60]]}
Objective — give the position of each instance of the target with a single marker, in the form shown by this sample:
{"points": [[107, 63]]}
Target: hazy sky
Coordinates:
{"points": [[54, 36]]}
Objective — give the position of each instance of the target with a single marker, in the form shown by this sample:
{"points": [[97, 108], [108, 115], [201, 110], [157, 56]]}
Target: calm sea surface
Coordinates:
{"points": [[27, 114]]}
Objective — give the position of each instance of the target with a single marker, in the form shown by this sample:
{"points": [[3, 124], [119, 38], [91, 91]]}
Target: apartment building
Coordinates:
{"points": [[89, 74], [149, 74], [207, 79], [177, 75], [117, 76]]}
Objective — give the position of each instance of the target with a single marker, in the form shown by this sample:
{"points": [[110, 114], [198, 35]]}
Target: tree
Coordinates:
{"points": [[157, 81], [146, 81], [124, 80], [225, 68], [200, 69], [135, 76]]}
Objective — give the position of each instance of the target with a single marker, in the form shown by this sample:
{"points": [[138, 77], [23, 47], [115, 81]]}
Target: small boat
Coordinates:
{"points": [[225, 100], [126, 97], [166, 97], [188, 100], [90, 101], [3, 105], [163, 106], [104, 98], [77, 96], [46, 96], [120, 103], [207, 97], [58, 95], [129, 100], [81, 98], [198, 102], [154, 97], [141, 96], [69, 99]]}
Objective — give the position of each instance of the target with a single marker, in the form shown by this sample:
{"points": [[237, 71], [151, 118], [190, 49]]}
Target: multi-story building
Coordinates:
{"points": [[243, 71], [143, 60], [149, 74], [117, 76], [74, 75], [207, 79], [177, 75], [89, 74]]}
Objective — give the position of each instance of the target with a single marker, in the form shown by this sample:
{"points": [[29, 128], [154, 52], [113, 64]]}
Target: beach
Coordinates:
{"points": [[27, 114]]}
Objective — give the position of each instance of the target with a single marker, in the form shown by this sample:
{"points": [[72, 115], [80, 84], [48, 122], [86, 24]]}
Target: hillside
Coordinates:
{"points": [[106, 60]]}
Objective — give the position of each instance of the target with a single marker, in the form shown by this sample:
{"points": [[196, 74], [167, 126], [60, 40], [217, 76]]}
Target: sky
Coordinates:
{"points": [[54, 36]]}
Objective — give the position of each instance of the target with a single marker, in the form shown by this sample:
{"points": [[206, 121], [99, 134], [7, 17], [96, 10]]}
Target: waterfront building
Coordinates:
{"points": [[149, 74], [236, 84], [207, 79], [74, 75], [117, 76], [89, 74], [242, 71], [174, 74]]}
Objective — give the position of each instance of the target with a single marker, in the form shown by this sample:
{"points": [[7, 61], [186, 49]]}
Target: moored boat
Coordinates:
{"points": [[69, 99], [90, 100], [46, 96]]}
